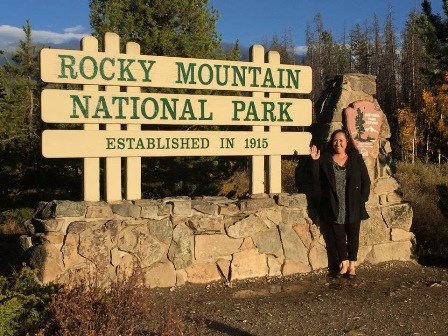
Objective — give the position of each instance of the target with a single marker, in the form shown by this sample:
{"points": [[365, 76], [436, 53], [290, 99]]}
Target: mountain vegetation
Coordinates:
{"points": [[410, 67]]}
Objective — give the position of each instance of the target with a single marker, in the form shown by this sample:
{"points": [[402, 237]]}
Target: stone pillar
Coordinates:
{"points": [[378, 232]]}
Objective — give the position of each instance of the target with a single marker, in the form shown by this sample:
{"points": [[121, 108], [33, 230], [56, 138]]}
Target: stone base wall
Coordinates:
{"points": [[178, 240]]}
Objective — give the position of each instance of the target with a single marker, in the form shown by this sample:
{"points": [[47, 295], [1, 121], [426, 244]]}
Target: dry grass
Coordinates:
{"points": [[12, 227], [288, 176], [425, 186], [123, 308], [238, 185], [12, 221]]}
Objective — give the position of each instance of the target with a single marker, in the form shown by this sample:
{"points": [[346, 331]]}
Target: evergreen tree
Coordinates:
{"points": [[284, 46], [325, 56], [24, 173], [360, 50], [387, 80], [235, 52], [377, 46], [20, 88], [342, 54], [410, 118], [433, 30], [314, 56], [359, 124], [180, 28], [412, 60]]}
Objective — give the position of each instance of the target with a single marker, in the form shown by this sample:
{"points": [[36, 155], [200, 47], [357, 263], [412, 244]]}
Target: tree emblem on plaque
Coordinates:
{"points": [[363, 122]]}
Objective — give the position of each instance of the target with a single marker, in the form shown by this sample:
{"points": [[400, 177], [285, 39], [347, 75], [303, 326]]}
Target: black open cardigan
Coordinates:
{"points": [[357, 187]]}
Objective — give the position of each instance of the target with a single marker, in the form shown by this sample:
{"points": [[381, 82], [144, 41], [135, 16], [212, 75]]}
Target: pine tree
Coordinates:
{"points": [[412, 60], [410, 118], [180, 28], [324, 55], [360, 50], [377, 47], [284, 46], [359, 125], [24, 173], [314, 57], [433, 30], [20, 88], [387, 82]]}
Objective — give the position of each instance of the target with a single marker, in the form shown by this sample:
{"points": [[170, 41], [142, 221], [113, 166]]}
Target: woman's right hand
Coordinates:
{"points": [[314, 152]]}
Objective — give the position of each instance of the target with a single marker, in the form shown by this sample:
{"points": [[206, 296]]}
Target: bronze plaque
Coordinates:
{"points": [[363, 123]]}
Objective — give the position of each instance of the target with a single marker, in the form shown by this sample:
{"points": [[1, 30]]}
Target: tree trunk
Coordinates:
{"points": [[31, 111], [413, 144]]}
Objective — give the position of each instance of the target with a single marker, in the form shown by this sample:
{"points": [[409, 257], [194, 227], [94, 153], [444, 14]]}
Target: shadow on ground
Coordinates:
{"points": [[11, 254]]}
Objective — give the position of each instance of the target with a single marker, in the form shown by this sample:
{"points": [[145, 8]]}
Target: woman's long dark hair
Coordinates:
{"points": [[350, 146]]}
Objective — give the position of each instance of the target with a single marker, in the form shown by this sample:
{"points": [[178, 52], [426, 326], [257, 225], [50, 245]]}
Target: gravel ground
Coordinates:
{"points": [[394, 298]]}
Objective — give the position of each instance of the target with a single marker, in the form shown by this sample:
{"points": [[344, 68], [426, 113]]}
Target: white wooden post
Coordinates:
{"points": [[257, 168], [91, 170], [113, 164], [275, 161], [133, 164]]}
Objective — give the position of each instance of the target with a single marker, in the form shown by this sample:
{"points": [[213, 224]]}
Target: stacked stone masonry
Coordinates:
{"points": [[178, 240]]}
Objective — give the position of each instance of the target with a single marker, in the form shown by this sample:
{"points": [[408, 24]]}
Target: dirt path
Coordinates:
{"points": [[393, 298]]}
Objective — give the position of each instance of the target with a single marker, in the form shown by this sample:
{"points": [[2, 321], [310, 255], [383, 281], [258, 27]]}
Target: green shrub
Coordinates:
{"points": [[12, 221], [23, 303], [18, 215]]}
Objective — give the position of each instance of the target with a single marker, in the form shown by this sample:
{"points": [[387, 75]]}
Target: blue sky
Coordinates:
{"points": [[250, 21]]}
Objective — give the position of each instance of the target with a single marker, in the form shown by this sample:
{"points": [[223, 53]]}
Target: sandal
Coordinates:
{"points": [[350, 276], [343, 269], [351, 273]]}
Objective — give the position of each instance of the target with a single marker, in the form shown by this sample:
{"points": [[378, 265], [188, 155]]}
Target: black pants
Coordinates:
{"points": [[346, 238]]}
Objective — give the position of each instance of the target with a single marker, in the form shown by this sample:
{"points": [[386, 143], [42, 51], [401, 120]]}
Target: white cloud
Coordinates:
{"points": [[73, 30], [10, 36], [300, 50]]}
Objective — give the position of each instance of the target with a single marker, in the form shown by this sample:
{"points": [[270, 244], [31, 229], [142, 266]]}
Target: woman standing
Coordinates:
{"points": [[344, 185]]}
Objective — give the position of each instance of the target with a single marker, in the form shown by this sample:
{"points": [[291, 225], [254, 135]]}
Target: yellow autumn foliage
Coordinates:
{"points": [[435, 113], [406, 120]]}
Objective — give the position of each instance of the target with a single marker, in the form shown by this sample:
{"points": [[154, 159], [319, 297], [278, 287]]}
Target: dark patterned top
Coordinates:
{"points": [[341, 178]]}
